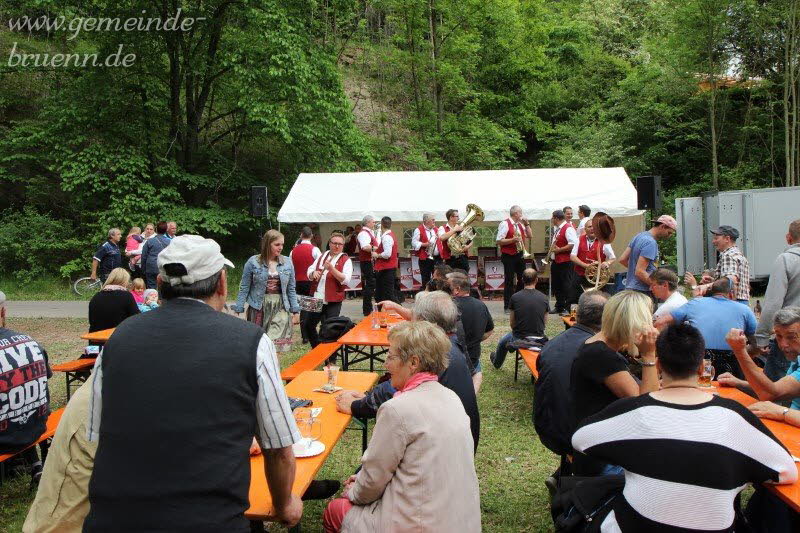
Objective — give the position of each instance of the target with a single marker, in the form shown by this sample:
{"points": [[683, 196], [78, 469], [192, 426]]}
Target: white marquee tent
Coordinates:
{"points": [[336, 200]]}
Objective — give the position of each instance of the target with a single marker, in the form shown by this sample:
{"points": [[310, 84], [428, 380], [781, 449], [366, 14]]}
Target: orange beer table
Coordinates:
{"points": [[790, 437], [333, 425], [366, 344], [98, 336]]}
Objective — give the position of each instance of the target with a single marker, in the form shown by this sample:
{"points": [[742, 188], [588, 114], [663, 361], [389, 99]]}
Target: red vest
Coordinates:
{"points": [[587, 253], [511, 249], [334, 290], [561, 241], [302, 257], [422, 253], [444, 248], [367, 256], [392, 262]]}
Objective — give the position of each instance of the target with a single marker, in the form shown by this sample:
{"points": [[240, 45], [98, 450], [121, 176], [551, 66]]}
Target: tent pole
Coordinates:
{"points": [[550, 263]]}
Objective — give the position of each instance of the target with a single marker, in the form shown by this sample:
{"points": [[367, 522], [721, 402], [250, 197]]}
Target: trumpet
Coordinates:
{"points": [[520, 243]]}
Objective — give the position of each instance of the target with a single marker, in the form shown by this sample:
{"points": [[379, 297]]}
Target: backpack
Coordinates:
{"points": [[335, 327]]}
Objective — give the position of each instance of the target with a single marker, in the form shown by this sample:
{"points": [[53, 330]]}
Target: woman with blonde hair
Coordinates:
{"points": [[268, 287], [600, 372], [418, 473], [113, 303]]}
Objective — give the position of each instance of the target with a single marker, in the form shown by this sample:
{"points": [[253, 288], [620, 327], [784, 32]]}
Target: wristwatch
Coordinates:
{"points": [[645, 363], [783, 413]]}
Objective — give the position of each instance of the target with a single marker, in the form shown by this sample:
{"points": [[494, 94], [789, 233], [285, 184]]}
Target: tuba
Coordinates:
{"points": [[459, 243]]}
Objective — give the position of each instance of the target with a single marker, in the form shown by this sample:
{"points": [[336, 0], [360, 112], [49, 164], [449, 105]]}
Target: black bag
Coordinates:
{"points": [[582, 503], [335, 327]]}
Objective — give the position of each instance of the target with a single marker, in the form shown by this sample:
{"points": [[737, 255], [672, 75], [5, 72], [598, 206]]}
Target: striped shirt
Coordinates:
{"points": [[732, 263], [684, 464], [276, 424]]}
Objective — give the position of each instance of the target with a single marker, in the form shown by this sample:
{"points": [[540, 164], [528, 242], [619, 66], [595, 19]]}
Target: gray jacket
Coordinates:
{"points": [[783, 290], [254, 285]]}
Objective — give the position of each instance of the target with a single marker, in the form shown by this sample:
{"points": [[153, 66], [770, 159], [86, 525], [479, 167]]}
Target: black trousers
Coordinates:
{"points": [[313, 320], [462, 262], [303, 289], [513, 266], [426, 269], [368, 284], [384, 284], [563, 275]]}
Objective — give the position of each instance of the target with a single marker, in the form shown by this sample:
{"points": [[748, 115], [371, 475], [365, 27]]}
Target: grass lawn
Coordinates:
{"points": [[511, 462]]}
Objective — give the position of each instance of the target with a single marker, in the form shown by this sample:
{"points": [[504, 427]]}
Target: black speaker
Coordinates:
{"points": [[648, 193], [259, 207]]}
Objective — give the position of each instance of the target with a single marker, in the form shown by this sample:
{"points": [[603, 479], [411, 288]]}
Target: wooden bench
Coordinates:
{"points": [[76, 371], [310, 361], [49, 431], [530, 357]]}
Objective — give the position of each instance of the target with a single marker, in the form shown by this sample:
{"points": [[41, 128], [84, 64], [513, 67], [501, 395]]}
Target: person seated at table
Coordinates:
{"points": [[552, 407], [476, 321], [418, 473], [665, 290], [528, 315], [686, 454], [441, 270], [113, 304], [137, 290], [600, 373], [786, 325], [437, 308], [24, 403], [714, 317]]}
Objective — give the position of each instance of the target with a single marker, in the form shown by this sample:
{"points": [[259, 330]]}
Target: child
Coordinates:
{"points": [[138, 291], [150, 301]]}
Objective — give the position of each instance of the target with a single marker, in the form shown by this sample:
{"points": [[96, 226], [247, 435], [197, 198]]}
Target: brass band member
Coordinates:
{"points": [[510, 234], [425, 244], [367, 243], [303, 254], [330, 273], [445, 232], [386, 262], [564, 239], [568, 215], [583, 216], [585, 254]]}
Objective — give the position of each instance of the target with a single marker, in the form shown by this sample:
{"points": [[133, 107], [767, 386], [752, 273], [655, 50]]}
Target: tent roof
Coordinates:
{"points": [[405, 196]]}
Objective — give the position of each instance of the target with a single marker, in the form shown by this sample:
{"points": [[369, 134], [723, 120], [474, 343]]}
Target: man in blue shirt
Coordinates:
{"points": [[642, 253], [714, 316], [108, 256]]}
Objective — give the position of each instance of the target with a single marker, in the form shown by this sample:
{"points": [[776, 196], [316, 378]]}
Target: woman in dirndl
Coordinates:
{"points": [[268, 288]]}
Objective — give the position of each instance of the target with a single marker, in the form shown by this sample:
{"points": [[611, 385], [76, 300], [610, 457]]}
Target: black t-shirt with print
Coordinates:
{"points": [[24, 397]]}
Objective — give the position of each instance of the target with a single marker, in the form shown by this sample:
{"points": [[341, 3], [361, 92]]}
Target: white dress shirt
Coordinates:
{"points": [[571, 235], [416, 243], [388, 243], [581, 224], [315, 252], [364, 240], [502, 230], [347, 270]]}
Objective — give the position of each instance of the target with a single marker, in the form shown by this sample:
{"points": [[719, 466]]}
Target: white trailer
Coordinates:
{"points": [[762, 217]]}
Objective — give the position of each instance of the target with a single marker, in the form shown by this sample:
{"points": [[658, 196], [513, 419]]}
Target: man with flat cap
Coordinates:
{"points": [[732, 264], [176, 397]]}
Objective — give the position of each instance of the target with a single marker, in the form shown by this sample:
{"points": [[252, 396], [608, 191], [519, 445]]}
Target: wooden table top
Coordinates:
{"points": [[364, 335], [788, 434], [333, 425], [98, 336]]}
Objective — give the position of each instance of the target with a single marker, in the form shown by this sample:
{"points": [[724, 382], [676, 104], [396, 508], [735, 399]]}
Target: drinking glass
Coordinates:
{"points": [[707, 376], [333, 374], [382, 320]]}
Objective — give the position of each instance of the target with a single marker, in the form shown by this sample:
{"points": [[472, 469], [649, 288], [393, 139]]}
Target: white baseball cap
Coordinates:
{"points": [[200, 258]]}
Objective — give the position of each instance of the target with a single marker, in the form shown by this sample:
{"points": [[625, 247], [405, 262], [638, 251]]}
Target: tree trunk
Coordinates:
{"points": [[437, 87]]}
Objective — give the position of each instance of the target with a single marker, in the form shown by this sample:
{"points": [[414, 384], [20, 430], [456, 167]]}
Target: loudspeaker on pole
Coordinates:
{"points": [[259, 206], [648, 192]]}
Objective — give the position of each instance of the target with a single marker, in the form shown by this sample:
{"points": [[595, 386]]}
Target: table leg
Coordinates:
{"points": [[516, 364]]}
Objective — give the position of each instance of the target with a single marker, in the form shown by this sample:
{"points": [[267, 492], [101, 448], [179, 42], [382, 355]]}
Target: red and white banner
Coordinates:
{"points": [[495, 273], [406, 274], [417, 273], [473, 273], [355, 280]]}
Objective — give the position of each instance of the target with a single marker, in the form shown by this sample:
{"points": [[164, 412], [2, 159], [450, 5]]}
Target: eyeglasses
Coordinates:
{"points": [[337, 244]]}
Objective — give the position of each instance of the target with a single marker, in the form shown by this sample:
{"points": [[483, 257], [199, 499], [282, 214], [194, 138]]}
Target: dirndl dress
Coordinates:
{"points": [[276, 321]]}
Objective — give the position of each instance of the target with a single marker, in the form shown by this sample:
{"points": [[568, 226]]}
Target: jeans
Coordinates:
{"points": [[499, 356]]}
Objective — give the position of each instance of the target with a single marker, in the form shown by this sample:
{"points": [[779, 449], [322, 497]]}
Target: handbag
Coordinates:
{"points": [[582, 503]]}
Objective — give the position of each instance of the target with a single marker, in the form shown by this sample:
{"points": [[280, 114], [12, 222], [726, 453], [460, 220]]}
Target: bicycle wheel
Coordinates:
{"points": [[86, 286]]}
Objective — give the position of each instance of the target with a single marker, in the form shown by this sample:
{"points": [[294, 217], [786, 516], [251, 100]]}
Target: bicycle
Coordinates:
{"points": [[87, 286]]}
